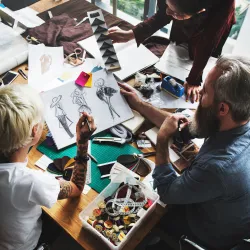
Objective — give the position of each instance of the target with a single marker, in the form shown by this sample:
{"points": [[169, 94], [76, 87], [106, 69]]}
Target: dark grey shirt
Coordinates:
{"points": [[216, 188]]}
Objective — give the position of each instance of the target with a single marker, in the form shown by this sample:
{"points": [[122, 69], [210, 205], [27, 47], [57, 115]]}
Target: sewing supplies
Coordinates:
{"points": [[172, 87], [121, 132], [109, 140], [20, 71], [118, 213], [135, 163], [74, 58], [32, 40], [143, 144]]}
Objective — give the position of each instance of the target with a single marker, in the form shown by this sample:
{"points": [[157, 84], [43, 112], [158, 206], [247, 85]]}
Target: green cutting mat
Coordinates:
{"points": [[102, 152]]}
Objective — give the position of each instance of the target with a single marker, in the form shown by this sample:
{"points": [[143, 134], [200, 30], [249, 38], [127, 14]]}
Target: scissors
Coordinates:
{"points": [[31, 39], [74, 58]]}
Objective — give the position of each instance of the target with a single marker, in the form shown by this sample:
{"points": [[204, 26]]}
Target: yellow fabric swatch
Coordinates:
{"points": [[89, 82]]}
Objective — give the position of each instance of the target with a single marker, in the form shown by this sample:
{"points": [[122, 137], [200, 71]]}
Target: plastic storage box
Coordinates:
{"points": [[109, 190]]}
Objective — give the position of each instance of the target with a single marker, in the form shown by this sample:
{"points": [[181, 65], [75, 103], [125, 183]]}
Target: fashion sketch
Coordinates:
{"points": [[46, 61], [79, 99], [60, 114], [105, 93]]}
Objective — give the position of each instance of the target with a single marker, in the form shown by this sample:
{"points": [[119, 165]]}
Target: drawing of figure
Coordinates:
{"points": [[61, 115], [79, 99], [46, 61], [104, 93]]}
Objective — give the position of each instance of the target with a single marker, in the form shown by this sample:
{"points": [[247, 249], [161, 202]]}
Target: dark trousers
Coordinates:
{"points": [[50, 230], [174, 222]]}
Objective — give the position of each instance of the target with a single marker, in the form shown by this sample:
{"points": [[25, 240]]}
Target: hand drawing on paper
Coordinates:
{"points": [[79, 99], [104, 93], [61, 115], [46, 61]]}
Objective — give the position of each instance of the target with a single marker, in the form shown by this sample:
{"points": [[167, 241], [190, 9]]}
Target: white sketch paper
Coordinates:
{"points": [[64, 104], [176, 62], [140, 56], [45, 64]]}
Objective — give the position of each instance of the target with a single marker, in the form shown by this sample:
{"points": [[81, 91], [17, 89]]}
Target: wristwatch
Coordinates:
{"points": [[81, 159]]}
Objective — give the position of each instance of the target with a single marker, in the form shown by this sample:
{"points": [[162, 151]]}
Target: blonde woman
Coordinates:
{"points": [[22, 190]]}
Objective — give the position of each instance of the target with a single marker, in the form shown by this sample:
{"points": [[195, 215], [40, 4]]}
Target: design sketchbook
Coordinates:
{"points": [[64, 105]]}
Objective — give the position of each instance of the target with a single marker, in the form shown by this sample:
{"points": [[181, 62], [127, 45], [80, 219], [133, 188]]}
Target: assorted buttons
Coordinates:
{"points": [[116, 215]]}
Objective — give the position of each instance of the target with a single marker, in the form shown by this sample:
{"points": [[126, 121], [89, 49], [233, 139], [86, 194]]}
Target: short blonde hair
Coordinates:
{"points": [[21, 108]]}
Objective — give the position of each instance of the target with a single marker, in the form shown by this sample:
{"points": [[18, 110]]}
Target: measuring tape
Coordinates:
{"points": [[118, 204]]}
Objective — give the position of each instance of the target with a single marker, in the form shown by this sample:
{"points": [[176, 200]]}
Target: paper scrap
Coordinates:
{"points": [[82, 79], [89, 82], [43, 162], [86, 189], [65, 76], [96, 68]]}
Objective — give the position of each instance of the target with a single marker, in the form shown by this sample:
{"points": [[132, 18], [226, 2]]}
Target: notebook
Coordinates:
{"points": [[134, 123], [131, 57], [13, 48], [65, 104]]}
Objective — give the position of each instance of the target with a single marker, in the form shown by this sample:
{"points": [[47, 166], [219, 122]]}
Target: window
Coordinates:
{"points": [[240, 11], [135, 8]]}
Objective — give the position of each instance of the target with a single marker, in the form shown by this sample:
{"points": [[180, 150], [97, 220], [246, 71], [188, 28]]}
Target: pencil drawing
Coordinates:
{"points": [[60, 114], [46, 61], [79, 99], [105, 93]]}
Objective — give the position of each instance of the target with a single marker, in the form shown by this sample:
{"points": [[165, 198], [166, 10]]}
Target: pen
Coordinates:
{"points": [[179, 125], [87, 121], [20, 71]]}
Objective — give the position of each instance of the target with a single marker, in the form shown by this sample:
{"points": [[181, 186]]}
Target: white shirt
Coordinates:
{"points": [[22, 193]]}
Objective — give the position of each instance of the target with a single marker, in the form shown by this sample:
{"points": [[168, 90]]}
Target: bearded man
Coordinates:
{"points": [[212, 197]]}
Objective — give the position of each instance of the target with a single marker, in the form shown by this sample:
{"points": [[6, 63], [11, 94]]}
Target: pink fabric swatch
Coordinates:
{"points": [[82, 79]]}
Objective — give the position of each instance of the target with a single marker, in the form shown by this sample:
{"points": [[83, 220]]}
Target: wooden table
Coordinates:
{"points": [[66, 212]]}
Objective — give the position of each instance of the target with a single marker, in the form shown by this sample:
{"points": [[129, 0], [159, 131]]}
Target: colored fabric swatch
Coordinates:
{"points": [[82, 79]]}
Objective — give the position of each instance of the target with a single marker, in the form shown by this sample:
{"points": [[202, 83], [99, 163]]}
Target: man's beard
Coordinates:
{"points": [[205, 122]]}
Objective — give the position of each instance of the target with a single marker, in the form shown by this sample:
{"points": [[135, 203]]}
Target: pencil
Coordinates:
{"points": [[92, 158], [87, 121]]}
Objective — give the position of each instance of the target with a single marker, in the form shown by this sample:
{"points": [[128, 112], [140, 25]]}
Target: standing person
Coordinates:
{"points": [[203, 25], [22, 190]]}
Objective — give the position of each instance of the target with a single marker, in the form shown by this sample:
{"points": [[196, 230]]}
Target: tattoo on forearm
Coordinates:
{"points": [[65, 190], [79, 174], [84, 137]]}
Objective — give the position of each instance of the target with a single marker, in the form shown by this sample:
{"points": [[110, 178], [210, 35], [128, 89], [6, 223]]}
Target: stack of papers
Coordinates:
{"points": [[134, 123], [13, 48]]}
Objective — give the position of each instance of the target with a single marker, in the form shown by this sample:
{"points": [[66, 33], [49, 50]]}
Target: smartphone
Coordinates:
{"points": [[9, 77]]}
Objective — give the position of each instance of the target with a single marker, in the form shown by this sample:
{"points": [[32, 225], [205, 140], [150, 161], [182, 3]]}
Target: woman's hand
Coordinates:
{"points": [[84, 132], [118, 35], [192, 92]]}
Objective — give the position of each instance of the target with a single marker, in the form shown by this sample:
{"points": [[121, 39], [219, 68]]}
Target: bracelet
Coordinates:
{"points": [[81, 159]]}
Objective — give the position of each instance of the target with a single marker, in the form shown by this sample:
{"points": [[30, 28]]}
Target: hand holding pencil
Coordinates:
{"points": [[84, 129]]}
